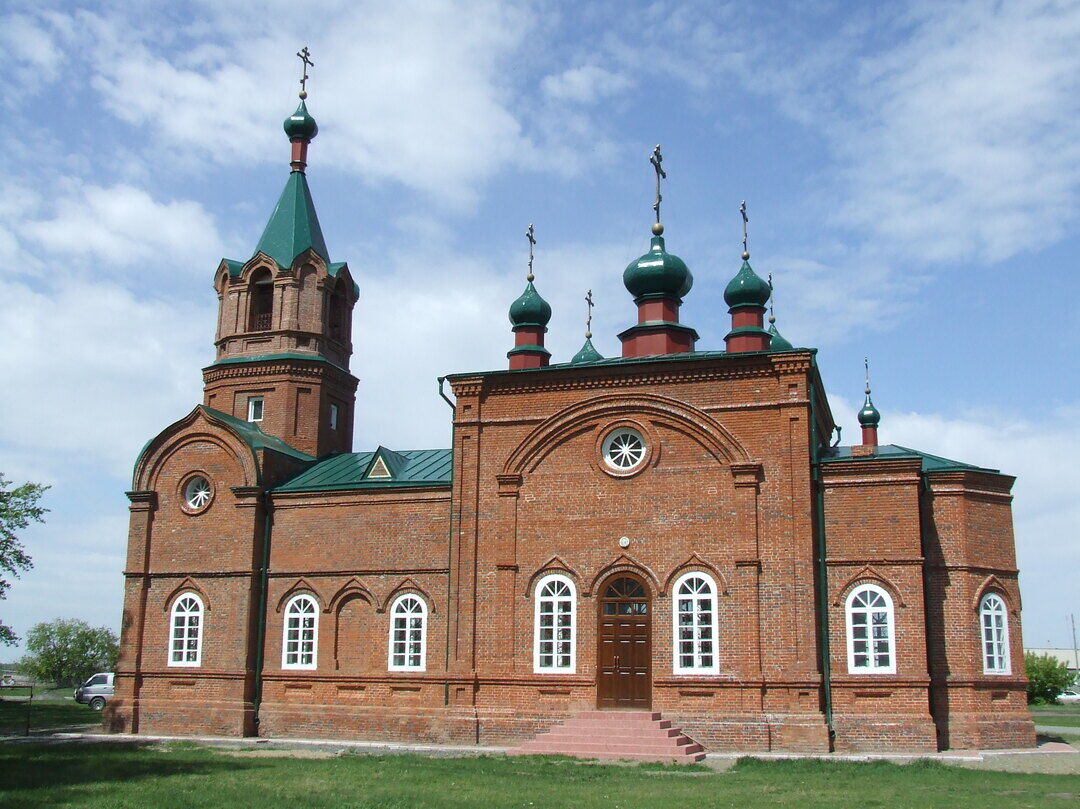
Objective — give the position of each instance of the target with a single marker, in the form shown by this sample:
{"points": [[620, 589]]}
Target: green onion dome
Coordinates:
{"points": [[777, 341], [587, 354], [658, 272], [747, 288], [869, 415], [300, 124], [530, 309]]}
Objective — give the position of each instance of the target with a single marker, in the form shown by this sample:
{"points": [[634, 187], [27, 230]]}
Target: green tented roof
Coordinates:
{"points": [[416, 467], [294, 225], [930, 463], [256, 438]]}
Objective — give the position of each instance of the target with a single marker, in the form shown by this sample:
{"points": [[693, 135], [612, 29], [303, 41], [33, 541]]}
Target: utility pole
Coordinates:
{"points": [[1076, 655]]}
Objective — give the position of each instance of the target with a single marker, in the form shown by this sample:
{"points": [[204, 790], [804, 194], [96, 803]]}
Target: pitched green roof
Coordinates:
{"points": [[255, 437], [930, 463], [294, 225], [416, 467]]}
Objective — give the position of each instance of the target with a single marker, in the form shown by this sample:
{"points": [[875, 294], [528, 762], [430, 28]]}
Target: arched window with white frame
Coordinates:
{"points": [[994, 620], [299, 647], [408, 634], [186, 631], [870, 630], [694, 639], [555, 626]]}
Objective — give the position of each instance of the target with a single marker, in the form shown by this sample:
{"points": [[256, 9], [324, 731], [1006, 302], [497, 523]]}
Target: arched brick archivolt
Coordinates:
{"points": [[869, 575], [350, 590], [585, 416], [407, 585], [695, 564], [300, 587], [198, 425], [188, 585], [992, 584], [624, 564], [352, 610]]}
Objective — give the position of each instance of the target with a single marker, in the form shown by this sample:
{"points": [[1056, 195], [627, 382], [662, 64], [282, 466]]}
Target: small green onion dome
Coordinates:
{"points": [[777, 341], [658, 272], [587, 353], [869, 415], [747, 288], [530, 309], [300, 124]]}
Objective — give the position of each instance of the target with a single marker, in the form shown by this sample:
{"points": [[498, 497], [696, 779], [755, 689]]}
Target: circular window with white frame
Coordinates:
{"points": [[197, 493], [624, 451]]}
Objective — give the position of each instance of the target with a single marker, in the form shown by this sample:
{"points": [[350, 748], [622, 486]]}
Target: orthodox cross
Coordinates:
{"points": [[656, 160], [588, 320], [772, 316], [532, 241], [305, 58], [745, 221], [866, 364]]}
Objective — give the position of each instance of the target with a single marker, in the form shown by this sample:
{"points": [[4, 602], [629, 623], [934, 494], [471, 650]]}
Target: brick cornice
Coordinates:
{"points": [[142, 500], [316, 369]]}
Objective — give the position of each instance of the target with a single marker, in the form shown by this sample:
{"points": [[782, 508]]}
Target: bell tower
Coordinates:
{"points": [[284, 329]]}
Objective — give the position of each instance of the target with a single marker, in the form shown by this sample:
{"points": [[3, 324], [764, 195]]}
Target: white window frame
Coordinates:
{"points": [[696, 626], [850, 610], [289, 614], [184, 632], [334, 411], [407, 632], [251, 408], [999, 660], [567, 598]]}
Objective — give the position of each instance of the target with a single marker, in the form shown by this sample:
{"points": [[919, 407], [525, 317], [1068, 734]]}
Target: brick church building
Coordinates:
{"points": [[671, 531]]}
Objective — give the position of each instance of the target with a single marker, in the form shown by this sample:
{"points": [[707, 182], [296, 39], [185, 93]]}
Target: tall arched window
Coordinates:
{"points": [[299, 646], [870, 631], [261, 304], [554, 632], [994, 619], [408, 634], [694, 641], [338, 309], [185, 635]]}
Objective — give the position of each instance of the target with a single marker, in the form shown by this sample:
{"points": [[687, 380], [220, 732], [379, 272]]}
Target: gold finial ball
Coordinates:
{"points": [[530, 277], [588, 335], [745, 256], [658, 229], [303, 94], [772, 319]]}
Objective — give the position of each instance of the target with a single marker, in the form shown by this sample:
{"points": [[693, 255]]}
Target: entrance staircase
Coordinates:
{"points": [[635, 735]]}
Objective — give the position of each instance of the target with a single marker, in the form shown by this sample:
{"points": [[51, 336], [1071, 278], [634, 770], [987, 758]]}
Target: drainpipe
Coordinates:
{"points": [[822, 569], [449, 550], [446, 399], [264, 572]]}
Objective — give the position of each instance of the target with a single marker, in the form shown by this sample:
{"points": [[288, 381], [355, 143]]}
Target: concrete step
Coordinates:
{"points": [[635, 735], [602, 746], [616, 724], [572, 733]]}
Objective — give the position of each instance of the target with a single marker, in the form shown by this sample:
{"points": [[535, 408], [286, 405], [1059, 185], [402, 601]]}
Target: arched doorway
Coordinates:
{"points": [[624, 667]]}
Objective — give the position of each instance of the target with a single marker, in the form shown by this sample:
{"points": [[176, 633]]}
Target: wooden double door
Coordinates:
{"points": [[625, 645]]}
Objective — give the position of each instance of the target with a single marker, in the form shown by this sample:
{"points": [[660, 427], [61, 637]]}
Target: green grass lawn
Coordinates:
{"points": [[45, 713], [122, 776], [1060, 715]]}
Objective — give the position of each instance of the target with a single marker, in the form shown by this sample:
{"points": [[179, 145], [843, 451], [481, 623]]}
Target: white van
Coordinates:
{"points": [[97, 690]]}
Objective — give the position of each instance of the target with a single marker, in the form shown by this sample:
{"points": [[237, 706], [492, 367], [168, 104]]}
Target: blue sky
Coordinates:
{"points": [[912, 172]]}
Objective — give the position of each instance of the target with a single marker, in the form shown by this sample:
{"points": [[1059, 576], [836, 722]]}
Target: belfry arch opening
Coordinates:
{"points": [[261, 307]]}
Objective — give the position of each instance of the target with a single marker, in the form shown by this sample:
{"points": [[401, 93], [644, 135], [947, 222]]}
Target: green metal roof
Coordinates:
{"points": [[588, 353], [930, 463], [415, 467], [294, 225], [255, 437], [658, 272], [285, 355]]}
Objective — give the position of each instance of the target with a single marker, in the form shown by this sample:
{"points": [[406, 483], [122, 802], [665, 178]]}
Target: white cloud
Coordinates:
{"points": [[586, 84]]}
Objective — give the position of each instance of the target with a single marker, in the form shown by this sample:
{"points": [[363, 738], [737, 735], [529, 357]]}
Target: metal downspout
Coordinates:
{"points": [[264, 573], [449, 547], [822, 569]]}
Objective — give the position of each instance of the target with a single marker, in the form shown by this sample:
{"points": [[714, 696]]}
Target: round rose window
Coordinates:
{"points": [[624, 449], [197, 493]]}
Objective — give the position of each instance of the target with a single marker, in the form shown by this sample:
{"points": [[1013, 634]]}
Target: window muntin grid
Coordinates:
{"points": [[408, 634], [554, 633], [694, 640], [623, 449], [301, 635], [870, 631], [994, 620], [197, 493], [185, 633]]}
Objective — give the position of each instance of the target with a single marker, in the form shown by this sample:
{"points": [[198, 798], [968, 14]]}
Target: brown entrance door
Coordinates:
{"points": [[625, 650]]}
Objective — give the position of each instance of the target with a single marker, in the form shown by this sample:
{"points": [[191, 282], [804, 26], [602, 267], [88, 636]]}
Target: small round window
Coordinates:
{"points": [[624, 449], [197, 493]]}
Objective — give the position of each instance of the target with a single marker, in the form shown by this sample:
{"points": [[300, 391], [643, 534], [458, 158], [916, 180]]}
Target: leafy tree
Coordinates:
{"points": [[18, 507], [1047, 678], [67, 651]]}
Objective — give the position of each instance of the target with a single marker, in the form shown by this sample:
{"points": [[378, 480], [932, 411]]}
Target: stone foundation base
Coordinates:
{"points": [[866, 733]]}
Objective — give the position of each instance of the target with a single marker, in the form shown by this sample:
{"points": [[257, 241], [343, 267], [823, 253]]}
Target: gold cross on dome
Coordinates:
{"points": [[656, 159], [305, 59], [532, 242], [745, 221], [588, 320]]}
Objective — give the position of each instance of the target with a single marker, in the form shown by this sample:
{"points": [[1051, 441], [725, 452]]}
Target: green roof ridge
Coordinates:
{"points": [[294, 225], [255, 438], [349, 470]]}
